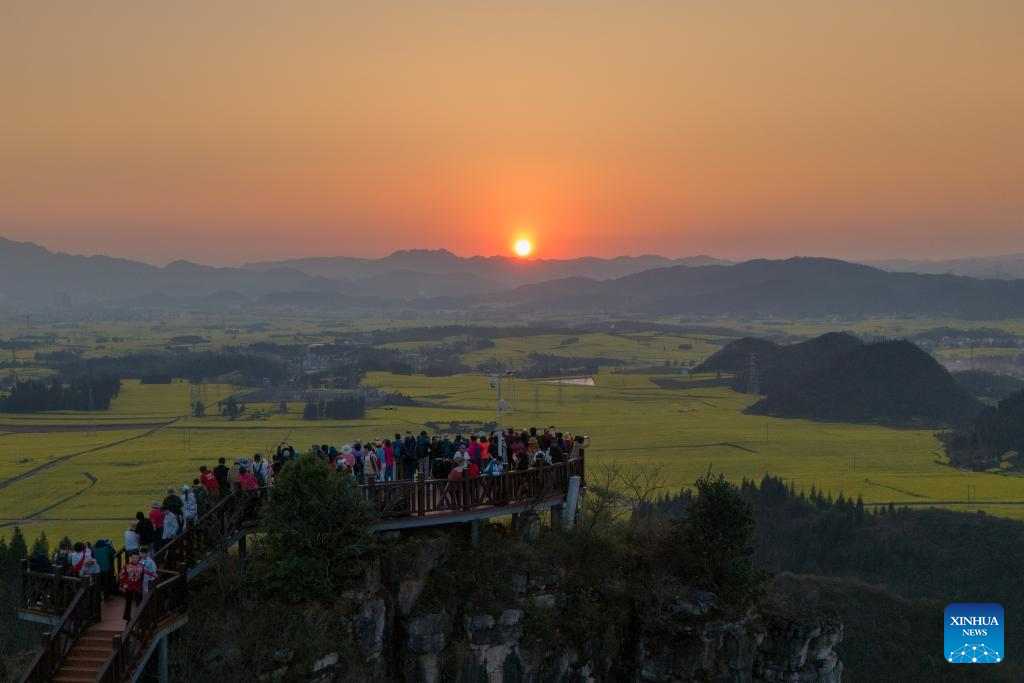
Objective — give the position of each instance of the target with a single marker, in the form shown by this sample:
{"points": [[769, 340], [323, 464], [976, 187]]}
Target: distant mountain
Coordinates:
{"points": [[497, 272], [837, 377], [796, 287], [1008, 267]]}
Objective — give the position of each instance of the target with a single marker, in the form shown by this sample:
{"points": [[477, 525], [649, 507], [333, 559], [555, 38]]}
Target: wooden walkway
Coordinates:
{"points": [[89, 640]]}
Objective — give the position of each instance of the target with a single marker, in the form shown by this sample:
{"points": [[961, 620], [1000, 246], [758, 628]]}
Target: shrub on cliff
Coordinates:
{"points": [[316, 530], [712, 542]]}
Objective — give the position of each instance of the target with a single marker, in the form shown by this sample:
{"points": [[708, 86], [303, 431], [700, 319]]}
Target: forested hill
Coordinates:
{"points": [[837, 377], [995, 438]]}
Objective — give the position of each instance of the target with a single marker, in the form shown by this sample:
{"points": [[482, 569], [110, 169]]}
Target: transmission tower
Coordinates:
{"points": [[753, 379]]}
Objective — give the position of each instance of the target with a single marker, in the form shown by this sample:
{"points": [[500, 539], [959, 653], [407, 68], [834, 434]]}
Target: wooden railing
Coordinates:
{"points": [[168, 596], [51, 592], [438, 496], [83, 610]]}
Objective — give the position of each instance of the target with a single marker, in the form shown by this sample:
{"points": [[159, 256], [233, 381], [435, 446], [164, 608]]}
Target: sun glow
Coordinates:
{"points": [[523, 247]]}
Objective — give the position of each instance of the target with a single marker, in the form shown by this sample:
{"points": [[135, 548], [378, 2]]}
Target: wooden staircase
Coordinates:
{"points": [[85, 660]]}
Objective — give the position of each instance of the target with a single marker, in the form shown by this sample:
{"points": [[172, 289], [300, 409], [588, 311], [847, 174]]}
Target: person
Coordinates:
{"points": [[147, 561], [90, 569], [579, 445], [145, 529], [209, 481], [130, 583], [173, 502], [234, 473], [156, 516], [220, 473], [103, 552], [492, 467], [246, 480], [79, 554], [189, 506], [389, 460], [472, 469], [358, 464], [458, 469], [371, 465], [171, 526], [202, 497], [423, 454], [396, 448], [261, 470], [409, 456], [61, 557]]}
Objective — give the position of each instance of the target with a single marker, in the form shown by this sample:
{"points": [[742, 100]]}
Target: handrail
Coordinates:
{"points": [[83, 611], [164, 598]]}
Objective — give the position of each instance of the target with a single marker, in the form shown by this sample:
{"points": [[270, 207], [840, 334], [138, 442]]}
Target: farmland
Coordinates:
{"points": [[105, 476]]}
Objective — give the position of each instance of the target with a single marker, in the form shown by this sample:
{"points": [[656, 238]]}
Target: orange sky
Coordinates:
{"points": [[237, 130]]}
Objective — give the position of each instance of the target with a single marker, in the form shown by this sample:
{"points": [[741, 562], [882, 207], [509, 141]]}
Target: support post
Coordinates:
{"points": [[163, 675], [556, 516], [474, 533], [242, 548], [572, 500], [515, 523]]}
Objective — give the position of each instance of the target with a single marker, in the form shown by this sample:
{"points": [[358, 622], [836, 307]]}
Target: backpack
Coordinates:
{"points": [[261, 478]]}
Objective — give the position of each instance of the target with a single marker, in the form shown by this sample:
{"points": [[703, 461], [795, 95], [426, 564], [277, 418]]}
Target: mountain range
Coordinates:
{"points": [[33, 277]]}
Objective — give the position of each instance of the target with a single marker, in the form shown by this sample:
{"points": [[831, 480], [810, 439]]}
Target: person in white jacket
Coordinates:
{"points": [[189, 505]]}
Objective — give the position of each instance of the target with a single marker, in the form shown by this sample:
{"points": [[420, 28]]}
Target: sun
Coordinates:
{"points": [[523, 247]]}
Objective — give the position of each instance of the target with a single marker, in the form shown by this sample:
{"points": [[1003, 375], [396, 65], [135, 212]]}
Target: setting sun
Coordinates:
{"points": [[523, 247]]}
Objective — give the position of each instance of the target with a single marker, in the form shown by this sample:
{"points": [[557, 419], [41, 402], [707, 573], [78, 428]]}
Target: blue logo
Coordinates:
{"points": [[974, 633]]}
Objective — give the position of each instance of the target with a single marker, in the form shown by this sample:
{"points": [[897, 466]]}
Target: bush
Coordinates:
{"points": [[715, 538], [316, 530]]}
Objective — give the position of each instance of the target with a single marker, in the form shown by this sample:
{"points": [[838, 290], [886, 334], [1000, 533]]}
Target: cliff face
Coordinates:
{"points": [[397, 628]]}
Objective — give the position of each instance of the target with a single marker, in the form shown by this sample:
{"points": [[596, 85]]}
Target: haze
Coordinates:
{"points": [[236, 131]]}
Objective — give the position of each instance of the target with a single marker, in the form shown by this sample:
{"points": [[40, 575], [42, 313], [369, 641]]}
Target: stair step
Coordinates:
{"points": [[104, 632], [87, 650], [63, 677], [77, 659]]}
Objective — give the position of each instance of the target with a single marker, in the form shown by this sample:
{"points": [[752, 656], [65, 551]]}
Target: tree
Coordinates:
{"points": [[713, 540], [283, 407], [199, 409], [42, 545], [17, 549], [316, 530]]}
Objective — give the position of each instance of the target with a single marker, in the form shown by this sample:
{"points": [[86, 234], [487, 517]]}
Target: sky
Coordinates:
{"points": [[231, 131]]}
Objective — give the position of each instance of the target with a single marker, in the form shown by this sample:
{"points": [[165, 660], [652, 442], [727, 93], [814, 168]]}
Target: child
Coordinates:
{"points": [[130, 582], [150, 565]]}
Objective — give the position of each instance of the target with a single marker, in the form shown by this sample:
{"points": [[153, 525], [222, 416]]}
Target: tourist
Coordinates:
{"points": [[492, 466], [79, 554], [130, 582], [144, 528], [103, 552], [189, 505], [247, 480], [358, 465], [371, 465], [261, 470], [90, 569], [389, 461], [409, 456], [220, 473], [171, 526], [202, 497], [458, 469], [209, 481], [61, 557], [234, 474], [173, 502], [149, 564], [579, 444]]}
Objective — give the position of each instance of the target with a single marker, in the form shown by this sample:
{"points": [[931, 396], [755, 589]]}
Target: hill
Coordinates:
{"points": [[995, 438], [985, 384], [796, 287], [837, 377]]}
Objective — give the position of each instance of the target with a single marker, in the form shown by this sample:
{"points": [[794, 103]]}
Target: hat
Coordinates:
{"points": [[155, 505], [185, 488], [346, 448]]}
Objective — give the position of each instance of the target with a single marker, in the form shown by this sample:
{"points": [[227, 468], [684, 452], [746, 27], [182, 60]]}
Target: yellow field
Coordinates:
{"points": [[630, 420]]}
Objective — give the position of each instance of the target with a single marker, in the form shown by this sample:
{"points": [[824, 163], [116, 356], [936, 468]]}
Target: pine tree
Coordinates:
{"points": [[41, 546], [18, 549]]}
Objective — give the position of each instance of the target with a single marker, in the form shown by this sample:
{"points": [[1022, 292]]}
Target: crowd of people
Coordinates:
{"points": [[445, 457], [368, 462]]}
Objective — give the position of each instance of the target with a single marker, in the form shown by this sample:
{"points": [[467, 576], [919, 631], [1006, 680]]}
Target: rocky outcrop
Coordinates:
{"points": [[678, 635]]}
